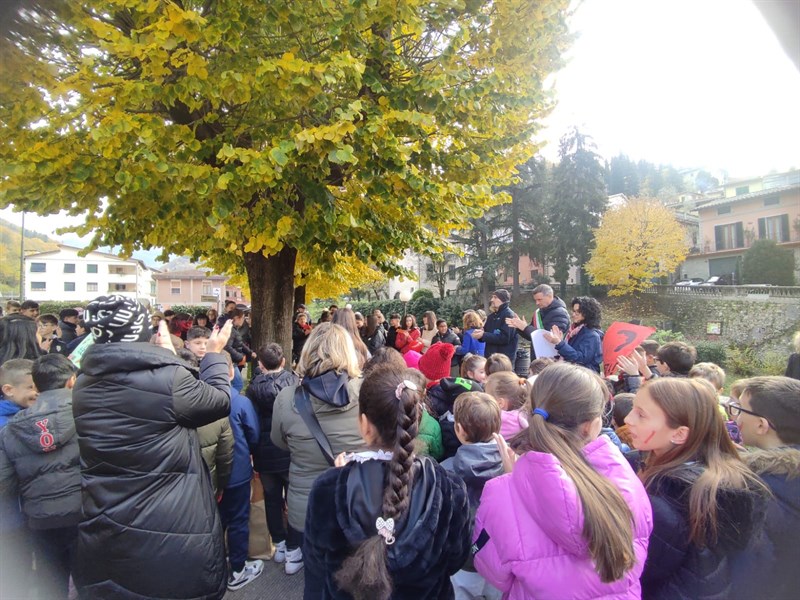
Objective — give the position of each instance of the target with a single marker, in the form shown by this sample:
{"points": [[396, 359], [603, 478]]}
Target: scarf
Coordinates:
{"points": [[573, 331]]}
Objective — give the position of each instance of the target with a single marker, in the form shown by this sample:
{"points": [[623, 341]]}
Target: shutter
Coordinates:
{"points": [[784, 228], [739, 241], [718, 241], [762, 228]]}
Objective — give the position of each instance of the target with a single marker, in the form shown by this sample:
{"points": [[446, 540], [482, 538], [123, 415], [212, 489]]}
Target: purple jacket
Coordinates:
{"points": [[534, 519]]}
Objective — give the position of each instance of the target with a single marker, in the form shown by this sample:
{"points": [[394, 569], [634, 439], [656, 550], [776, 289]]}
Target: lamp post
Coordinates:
{"points": [[405, 296]]}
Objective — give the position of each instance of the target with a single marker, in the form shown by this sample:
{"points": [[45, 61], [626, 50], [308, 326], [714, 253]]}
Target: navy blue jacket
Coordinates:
{"points": [[244, 425], [500, 337], [262, 391], [585, 349], [555, 314]]}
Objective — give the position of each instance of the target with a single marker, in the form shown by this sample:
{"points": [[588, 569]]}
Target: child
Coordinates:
{"points": [[387, 523], [511, 393], [675, 359], [477, 460], [498, 362], [271, 462], [768, 415], [473, 366], [39, 454], [16, 388], [715, 375], [234, 509], [572, 519], [197, 341], [707, 505], [623, 403]]}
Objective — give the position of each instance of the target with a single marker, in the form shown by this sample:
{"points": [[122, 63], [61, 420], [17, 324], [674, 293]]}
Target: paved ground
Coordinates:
{"points": [[273, 584]]}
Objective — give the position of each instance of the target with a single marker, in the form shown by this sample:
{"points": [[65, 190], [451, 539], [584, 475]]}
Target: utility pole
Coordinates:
{"points": [[22, 260]]}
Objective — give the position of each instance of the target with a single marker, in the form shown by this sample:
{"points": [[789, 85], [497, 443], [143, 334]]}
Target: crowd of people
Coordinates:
{"points": [[396, 461]]}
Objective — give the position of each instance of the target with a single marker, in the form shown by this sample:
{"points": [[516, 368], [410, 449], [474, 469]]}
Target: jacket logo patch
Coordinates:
{"points": [[46, 439]]}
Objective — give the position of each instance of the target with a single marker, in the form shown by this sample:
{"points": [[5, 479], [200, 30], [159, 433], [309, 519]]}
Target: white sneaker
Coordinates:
{"points": [[252, 569], [294, 561], [280, 552]]}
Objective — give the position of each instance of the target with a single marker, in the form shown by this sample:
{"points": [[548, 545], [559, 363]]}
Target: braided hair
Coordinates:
{"points": [[394, 408]]}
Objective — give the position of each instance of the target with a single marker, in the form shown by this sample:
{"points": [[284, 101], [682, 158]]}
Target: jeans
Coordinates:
{"points": [[276, 486], [55, 551], [234, 510]]}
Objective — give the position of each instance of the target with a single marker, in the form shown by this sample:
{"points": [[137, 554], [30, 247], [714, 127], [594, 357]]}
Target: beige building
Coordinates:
{"points": [[195, 287]]}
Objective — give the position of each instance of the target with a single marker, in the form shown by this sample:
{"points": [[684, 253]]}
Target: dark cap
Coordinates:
{"points": [[503, 295]]}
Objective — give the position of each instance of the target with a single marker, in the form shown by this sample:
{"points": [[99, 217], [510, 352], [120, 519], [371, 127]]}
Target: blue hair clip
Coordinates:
{"points": [[543, 412]]}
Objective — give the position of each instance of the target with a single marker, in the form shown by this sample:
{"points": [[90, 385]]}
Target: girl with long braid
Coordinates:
{"points": [[386, 523]]}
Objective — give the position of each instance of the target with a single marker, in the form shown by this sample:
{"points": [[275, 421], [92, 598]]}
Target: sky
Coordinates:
{"points": [[691, 83]]}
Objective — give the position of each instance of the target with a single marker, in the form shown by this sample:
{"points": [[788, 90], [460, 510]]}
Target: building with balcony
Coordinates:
{"points": [[752, 209], [195, 287], [64, 275]]}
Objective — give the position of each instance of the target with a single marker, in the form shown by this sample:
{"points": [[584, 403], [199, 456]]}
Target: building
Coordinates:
{"points": [[195, 287], [64, 275], [750, 209]]}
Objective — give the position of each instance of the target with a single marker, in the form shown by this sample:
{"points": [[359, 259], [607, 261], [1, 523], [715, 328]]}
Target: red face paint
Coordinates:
{"points": [[650, 437]]}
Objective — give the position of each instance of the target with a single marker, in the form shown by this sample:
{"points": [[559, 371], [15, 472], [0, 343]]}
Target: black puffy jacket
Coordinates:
{"points": [[39, 460], [678, 569], [499, 337], [262, 391], [151, 526]]}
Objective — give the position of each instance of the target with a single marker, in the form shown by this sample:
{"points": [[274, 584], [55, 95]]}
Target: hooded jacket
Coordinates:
{"points": [[679, 569], [7, 410], [779, 468], [431, 537], [500, 337], [216, 446], [39, 461], [151, 526], [245, 428], [476, 464], [262, 391], [555, 314], [534, 521], [441, 398], [334, 400]]}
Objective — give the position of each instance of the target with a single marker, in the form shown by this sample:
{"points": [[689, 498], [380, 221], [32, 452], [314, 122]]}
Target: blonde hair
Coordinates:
{"points": [[328, 347], [711, 372], [470, 362], [796, 341], [510, 387], [472, 320]]}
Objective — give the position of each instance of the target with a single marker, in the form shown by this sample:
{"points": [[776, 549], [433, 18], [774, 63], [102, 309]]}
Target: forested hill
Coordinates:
{"points": [[9, 254]]}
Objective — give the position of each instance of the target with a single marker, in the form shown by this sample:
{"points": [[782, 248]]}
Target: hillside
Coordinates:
{"points": [[9, 254]]}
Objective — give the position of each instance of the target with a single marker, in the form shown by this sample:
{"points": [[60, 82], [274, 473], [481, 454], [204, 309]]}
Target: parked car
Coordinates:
{"points": [[692, 281], [718, 280]]}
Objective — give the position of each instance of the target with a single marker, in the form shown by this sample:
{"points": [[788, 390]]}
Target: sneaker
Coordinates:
{"points": [[294, 561], [280, 552], [252, 569]]}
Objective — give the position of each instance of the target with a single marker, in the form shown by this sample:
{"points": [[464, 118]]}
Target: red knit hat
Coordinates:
{"points": [[435, 363]]}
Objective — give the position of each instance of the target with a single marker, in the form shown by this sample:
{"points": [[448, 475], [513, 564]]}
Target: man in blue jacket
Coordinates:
{"points": [[496, 333]]}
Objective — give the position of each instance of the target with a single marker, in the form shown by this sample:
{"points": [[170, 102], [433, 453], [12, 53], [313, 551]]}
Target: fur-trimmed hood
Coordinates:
{"points": [[777, 461]]}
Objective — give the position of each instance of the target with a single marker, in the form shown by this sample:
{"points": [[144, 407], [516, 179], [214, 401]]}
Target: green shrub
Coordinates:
{"points": [[714, 352], [422, 293], [662, 336], [743, 361], [773, 363], [53, 307], [189, 308]]}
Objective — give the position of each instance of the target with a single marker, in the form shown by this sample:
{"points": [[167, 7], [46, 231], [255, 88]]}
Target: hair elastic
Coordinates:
{"points": [[543, 412], [403, 385], [385, 529]]}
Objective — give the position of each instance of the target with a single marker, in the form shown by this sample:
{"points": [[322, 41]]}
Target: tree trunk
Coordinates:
{"points": [[300, 295], [272, 293]]}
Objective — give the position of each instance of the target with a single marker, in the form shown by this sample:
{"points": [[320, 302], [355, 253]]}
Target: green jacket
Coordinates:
{"points": [[430, 437]]}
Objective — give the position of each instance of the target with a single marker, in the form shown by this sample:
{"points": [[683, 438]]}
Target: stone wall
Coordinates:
{"points": [[762, 322]]}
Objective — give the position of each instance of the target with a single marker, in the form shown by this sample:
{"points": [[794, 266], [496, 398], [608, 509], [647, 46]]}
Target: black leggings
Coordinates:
{"points": [[276, 486]]}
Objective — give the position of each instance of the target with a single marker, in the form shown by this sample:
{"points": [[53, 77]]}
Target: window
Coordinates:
{"points": [[774, 228], [69, 286], [729, 236], [772, 201], [534, 273], [175, 287], [119, 287], [69, 267], [451, 272], [38, 267], [208, 289], [91, 268], [38, 286], [429, 271], [724, 210], [745, 189], [91, 287]]}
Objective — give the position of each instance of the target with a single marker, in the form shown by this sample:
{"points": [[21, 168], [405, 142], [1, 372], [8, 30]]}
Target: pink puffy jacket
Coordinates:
{"points": [[534, 519]]}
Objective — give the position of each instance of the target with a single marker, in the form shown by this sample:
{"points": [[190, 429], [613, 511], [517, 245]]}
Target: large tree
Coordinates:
{"points": [[272, 137], [766, 262], [579, 199], [637, 242]]}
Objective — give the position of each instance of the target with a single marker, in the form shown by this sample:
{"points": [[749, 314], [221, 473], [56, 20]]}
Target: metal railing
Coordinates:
{"points": [[726, 291]]}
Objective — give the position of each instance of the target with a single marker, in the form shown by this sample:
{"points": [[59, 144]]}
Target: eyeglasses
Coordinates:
{"points": [[734, 410]]}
